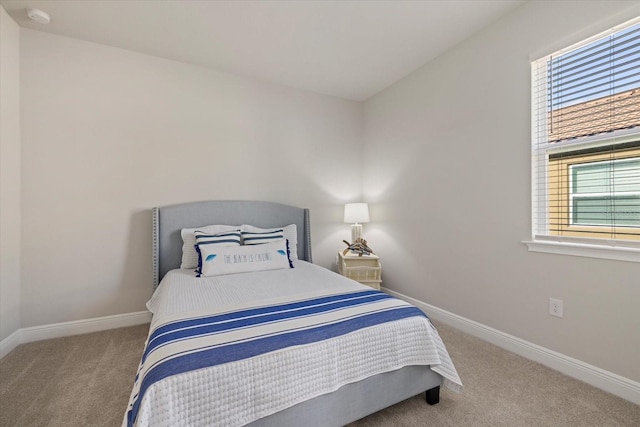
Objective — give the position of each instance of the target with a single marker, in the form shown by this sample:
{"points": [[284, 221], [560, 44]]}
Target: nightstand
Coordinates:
{"points": [[365, 269]]}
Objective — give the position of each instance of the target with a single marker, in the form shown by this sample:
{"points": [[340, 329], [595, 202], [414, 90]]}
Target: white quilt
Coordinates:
{"points": [[242, 391]]}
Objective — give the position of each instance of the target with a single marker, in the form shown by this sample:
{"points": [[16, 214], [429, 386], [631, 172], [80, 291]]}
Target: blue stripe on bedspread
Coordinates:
{"points": [[261, 344], [248, 318], [259, 310]]}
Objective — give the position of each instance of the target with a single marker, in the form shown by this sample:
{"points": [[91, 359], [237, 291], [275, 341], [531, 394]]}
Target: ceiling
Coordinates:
{"points": [[349, 49]]}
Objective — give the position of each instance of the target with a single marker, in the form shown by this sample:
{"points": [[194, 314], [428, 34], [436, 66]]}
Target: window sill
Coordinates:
{"points": [[619, 253]]}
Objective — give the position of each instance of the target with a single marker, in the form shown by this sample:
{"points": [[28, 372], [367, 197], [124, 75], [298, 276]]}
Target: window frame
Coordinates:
{"points": [[541, 240]]}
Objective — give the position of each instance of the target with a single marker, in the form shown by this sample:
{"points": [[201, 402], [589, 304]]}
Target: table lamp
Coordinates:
{"points": [[356, 214]]}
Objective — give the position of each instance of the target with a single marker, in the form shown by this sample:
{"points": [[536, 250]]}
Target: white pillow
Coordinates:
{"points": [[189, 255], [218, 260], [290, 234]]}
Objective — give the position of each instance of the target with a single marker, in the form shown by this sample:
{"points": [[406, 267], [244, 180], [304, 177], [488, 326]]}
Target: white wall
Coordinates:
{"points": [[447, 173], [9, 175], [108, 134]]}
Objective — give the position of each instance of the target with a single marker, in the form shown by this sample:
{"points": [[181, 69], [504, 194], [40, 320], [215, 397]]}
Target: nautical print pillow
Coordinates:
{"points": [[218, 260], [258, 238], [290, 233]]}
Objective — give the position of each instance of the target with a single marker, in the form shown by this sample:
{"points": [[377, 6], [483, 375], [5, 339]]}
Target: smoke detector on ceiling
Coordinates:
{"points": [[38, 15]]}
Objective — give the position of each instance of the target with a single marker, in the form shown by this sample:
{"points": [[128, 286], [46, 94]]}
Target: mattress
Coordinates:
{"points": [[247, 389]]}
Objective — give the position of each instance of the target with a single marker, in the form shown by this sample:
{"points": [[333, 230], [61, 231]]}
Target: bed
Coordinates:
{"points": [[288, 385]]}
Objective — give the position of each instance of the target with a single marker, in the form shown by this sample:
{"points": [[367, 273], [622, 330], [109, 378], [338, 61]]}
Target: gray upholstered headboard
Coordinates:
{"points": [[169, 220]]}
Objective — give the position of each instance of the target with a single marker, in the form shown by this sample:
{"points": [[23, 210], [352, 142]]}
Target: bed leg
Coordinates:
{"points": [[433, 395]]}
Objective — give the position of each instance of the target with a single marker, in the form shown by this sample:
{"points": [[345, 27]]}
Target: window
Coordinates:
{"points": [[586, 146]]}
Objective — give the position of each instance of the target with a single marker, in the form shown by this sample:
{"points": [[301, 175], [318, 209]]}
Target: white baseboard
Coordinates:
{"points": [[604, 380], [9, 343], [77, 327]]}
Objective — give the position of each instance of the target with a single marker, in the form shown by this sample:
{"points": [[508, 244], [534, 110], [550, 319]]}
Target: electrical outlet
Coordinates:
{"points": [[555, 307]]}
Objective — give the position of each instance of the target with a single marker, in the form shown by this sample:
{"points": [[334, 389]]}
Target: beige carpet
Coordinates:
{"points": [[85, 381]]}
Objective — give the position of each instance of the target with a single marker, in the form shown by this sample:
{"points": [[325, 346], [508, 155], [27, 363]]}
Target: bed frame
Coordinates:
{"points": [[350, 402]]}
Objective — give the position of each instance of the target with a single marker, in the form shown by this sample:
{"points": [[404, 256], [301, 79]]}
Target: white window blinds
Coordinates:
{"points": [[586, 141]]}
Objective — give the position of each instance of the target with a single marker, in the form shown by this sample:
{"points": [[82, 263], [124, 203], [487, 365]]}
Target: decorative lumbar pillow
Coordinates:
{"points": [[189, 255], [290, 233], [218, 260], [231, 238]]}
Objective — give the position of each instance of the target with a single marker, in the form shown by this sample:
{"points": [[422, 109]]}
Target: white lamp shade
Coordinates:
{"points": [[356, 213]]}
